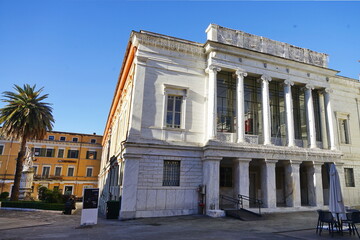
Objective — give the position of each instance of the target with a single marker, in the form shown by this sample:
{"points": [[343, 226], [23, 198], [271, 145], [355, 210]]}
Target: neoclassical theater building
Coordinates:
{"points": [[238, 115]]}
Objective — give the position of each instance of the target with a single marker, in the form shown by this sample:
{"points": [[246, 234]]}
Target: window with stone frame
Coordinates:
{"points": [[73, 153], [349, 177], [226, 179], [58, 171], [45, 171], [174, 106], [344, 131], [91, 154], [61, 153], [171, 173], [317, 117], [1, 149], [70, 172], [89, 171]]}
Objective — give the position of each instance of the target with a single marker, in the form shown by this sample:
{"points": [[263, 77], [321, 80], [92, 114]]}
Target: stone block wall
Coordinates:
{"points": [[154, 199]]}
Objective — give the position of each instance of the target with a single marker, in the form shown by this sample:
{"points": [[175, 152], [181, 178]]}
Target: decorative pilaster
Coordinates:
{"points": [[211, 180], [266, 109], [310, 118], [290, 132], [318, 185], [130, 185], [241, 173], [212, 103], [329, 119], [240, 73], [292, 188], [324, 138], [268, 186]]}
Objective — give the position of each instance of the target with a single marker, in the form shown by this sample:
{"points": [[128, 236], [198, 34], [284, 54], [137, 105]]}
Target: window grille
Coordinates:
{"points": [[349, 177], [171, 175]]}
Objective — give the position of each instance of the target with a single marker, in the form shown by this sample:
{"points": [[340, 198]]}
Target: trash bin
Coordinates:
{"points": [[112, 209]]}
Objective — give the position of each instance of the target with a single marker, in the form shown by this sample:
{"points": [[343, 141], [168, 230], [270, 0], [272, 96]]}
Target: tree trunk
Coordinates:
{"points": [[19, 168]]}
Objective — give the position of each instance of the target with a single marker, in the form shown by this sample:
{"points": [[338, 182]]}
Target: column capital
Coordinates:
{"points": [[289, 82], [213, 68], [295, 162], [271, 161], [240, 72], [328, 90], [309, 86], [245, 160], [210, 158], [266, 78]]}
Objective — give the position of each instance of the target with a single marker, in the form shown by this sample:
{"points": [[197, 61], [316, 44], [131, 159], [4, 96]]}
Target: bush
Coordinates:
{"points": [[4, 195], [51, 196], [34, 205]]}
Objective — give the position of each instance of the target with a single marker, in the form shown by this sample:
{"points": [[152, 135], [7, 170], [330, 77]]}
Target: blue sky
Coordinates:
{"points": [[75, 48]]}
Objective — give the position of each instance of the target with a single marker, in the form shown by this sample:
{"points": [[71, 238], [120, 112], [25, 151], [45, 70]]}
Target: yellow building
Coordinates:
{"points": [[69, 162]]}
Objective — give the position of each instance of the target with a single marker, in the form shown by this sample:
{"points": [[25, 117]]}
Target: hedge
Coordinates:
{"points": [[33, 205]]}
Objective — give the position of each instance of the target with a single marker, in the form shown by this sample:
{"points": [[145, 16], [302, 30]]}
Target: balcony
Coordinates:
{"points": [[47, 177]]}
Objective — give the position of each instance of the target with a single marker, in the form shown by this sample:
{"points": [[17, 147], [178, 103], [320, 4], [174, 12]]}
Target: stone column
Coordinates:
{"points": [[318, 185], [130, 186], [311, 185], [212, 102], [266, 109], [289, 113], [292, 187], [268, 184], [241, 184], [323, 120], [240, 73], [211, 180], [310, 118], [329, 118]]}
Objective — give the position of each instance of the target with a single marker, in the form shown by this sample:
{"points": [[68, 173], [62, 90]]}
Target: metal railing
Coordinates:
{"points": [[231, 199], [258, 203]]}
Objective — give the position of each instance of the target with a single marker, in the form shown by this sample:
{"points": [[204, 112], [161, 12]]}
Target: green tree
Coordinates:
{"points": [[25, 116]]}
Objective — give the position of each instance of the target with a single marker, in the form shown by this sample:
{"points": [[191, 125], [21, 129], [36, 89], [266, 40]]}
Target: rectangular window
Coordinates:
{"points": [[1, 149], [91, 155], [75, 139], [51, 138], [68, 190], [62, 138], [349, 177], [171, 173], [58, 171], [225, 177], [73, 154], [344, 133], [35, 169], [50, 152], [61, 153], [226, 102], [173, 113], [252, 106], [39, 152], [45, 171], [93, 141], [70, 171], [89, 171]]}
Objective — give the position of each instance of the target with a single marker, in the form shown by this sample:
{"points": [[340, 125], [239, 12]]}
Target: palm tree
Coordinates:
{"points": [[24, 117]]}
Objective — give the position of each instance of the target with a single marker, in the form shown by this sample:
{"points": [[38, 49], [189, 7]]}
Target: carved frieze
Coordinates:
{"points": [[265, 45]]}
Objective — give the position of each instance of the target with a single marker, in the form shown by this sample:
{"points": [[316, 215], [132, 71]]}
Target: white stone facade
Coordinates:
{"points": [[172, 144]]}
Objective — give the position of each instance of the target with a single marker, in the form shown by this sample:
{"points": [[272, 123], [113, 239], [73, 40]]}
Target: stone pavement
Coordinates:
{"points": [[17, 225]]}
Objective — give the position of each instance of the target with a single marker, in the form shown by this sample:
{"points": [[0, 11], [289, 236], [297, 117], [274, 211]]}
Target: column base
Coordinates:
{"points": [[215, 213]]}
